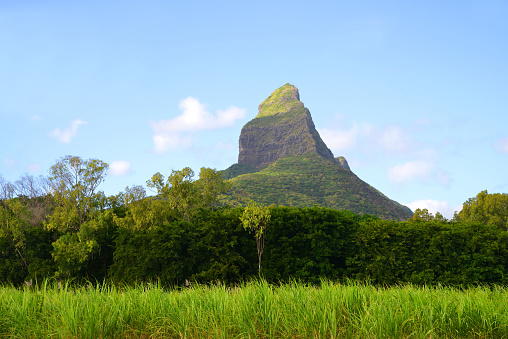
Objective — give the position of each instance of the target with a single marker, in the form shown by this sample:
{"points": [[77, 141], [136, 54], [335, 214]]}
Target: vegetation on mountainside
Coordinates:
{"points": [[238, 169], [310, 180], [283, 99], [279, 119]]}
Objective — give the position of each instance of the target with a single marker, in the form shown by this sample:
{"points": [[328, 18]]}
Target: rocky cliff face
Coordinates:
{"points": [[282, 128], [342, 162]]}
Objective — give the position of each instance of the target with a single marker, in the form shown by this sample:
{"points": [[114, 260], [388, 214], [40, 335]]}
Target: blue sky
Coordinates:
{"points": [[414, 95]]}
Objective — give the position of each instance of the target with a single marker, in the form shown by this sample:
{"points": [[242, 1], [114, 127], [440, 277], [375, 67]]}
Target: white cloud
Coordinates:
{"points": [[422, 170], [166, 141], [434, 206], [344, 139], [9, 162], [120, 168], [395, 139], [33, 168], [338, 140], [502, 145], [34, 118], [65, 136], [392, 139], [409, 171], [173, 133]]}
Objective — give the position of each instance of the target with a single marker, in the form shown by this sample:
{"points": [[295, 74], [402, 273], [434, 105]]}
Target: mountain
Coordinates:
{"points": [[282, 128], [283, 160]]}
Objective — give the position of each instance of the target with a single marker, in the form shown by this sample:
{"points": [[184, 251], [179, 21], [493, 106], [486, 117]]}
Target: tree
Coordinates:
{"points": [[133, 194], [488, 209], [256, 218], [34, 192], [24, 205], [74, 184], [425, 215], [13, 219], [179, 189], [186, 195], [210, 186], [142, 212]]}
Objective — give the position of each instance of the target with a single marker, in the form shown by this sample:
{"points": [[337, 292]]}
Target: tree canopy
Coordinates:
{"points": [[74, 182], [488, 209], [187, 195], [256, 218]]}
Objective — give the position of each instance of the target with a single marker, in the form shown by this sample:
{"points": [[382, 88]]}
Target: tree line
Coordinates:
{"points": [[62, 226]]}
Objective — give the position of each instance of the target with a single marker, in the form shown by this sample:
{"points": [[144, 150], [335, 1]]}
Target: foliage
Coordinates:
{"points": [[186, 195], [308, 243], [425, 215], [131, 238], [159, 253], [210, 248], [239, 169], [283, 99], [310, 180], [23, 205], [463, 253], [485, 208], [256, 218], [74, 184], [210, 185]]}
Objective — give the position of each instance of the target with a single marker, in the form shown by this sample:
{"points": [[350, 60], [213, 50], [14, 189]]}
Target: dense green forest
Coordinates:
{"points": [[63, 227]]}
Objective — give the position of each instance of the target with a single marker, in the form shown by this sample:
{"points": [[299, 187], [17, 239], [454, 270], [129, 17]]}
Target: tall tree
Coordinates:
{"points": [[34, 192], [179, 189], [142, 212], [256, 218], [489, 209], [185, 194], [210, 186], [74, 184]]}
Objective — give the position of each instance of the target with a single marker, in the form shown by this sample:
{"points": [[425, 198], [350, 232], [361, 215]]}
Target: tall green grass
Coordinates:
{"points": [[253, 310]]}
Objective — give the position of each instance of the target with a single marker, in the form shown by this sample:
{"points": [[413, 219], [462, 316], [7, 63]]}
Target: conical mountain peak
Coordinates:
{"points": [[283, 128], [283, 160], [282, 100]]}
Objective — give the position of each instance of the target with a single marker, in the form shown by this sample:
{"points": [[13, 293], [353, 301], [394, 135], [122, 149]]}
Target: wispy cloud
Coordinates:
{"points": [[502, 145], [120, 168], [66, 135], [343, 139], [9, 162], [421, 170], [175, 133], [395, 139], [391, 139], [33, 168]]}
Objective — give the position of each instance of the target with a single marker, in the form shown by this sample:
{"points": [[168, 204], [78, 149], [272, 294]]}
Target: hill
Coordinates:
{"points": [[283, 160]]}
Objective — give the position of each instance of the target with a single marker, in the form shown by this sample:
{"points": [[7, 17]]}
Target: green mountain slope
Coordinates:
{"points": [[309, 180]]}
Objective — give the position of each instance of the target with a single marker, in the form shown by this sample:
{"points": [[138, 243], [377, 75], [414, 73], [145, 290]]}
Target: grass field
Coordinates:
{"points": [[253, 310]]}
